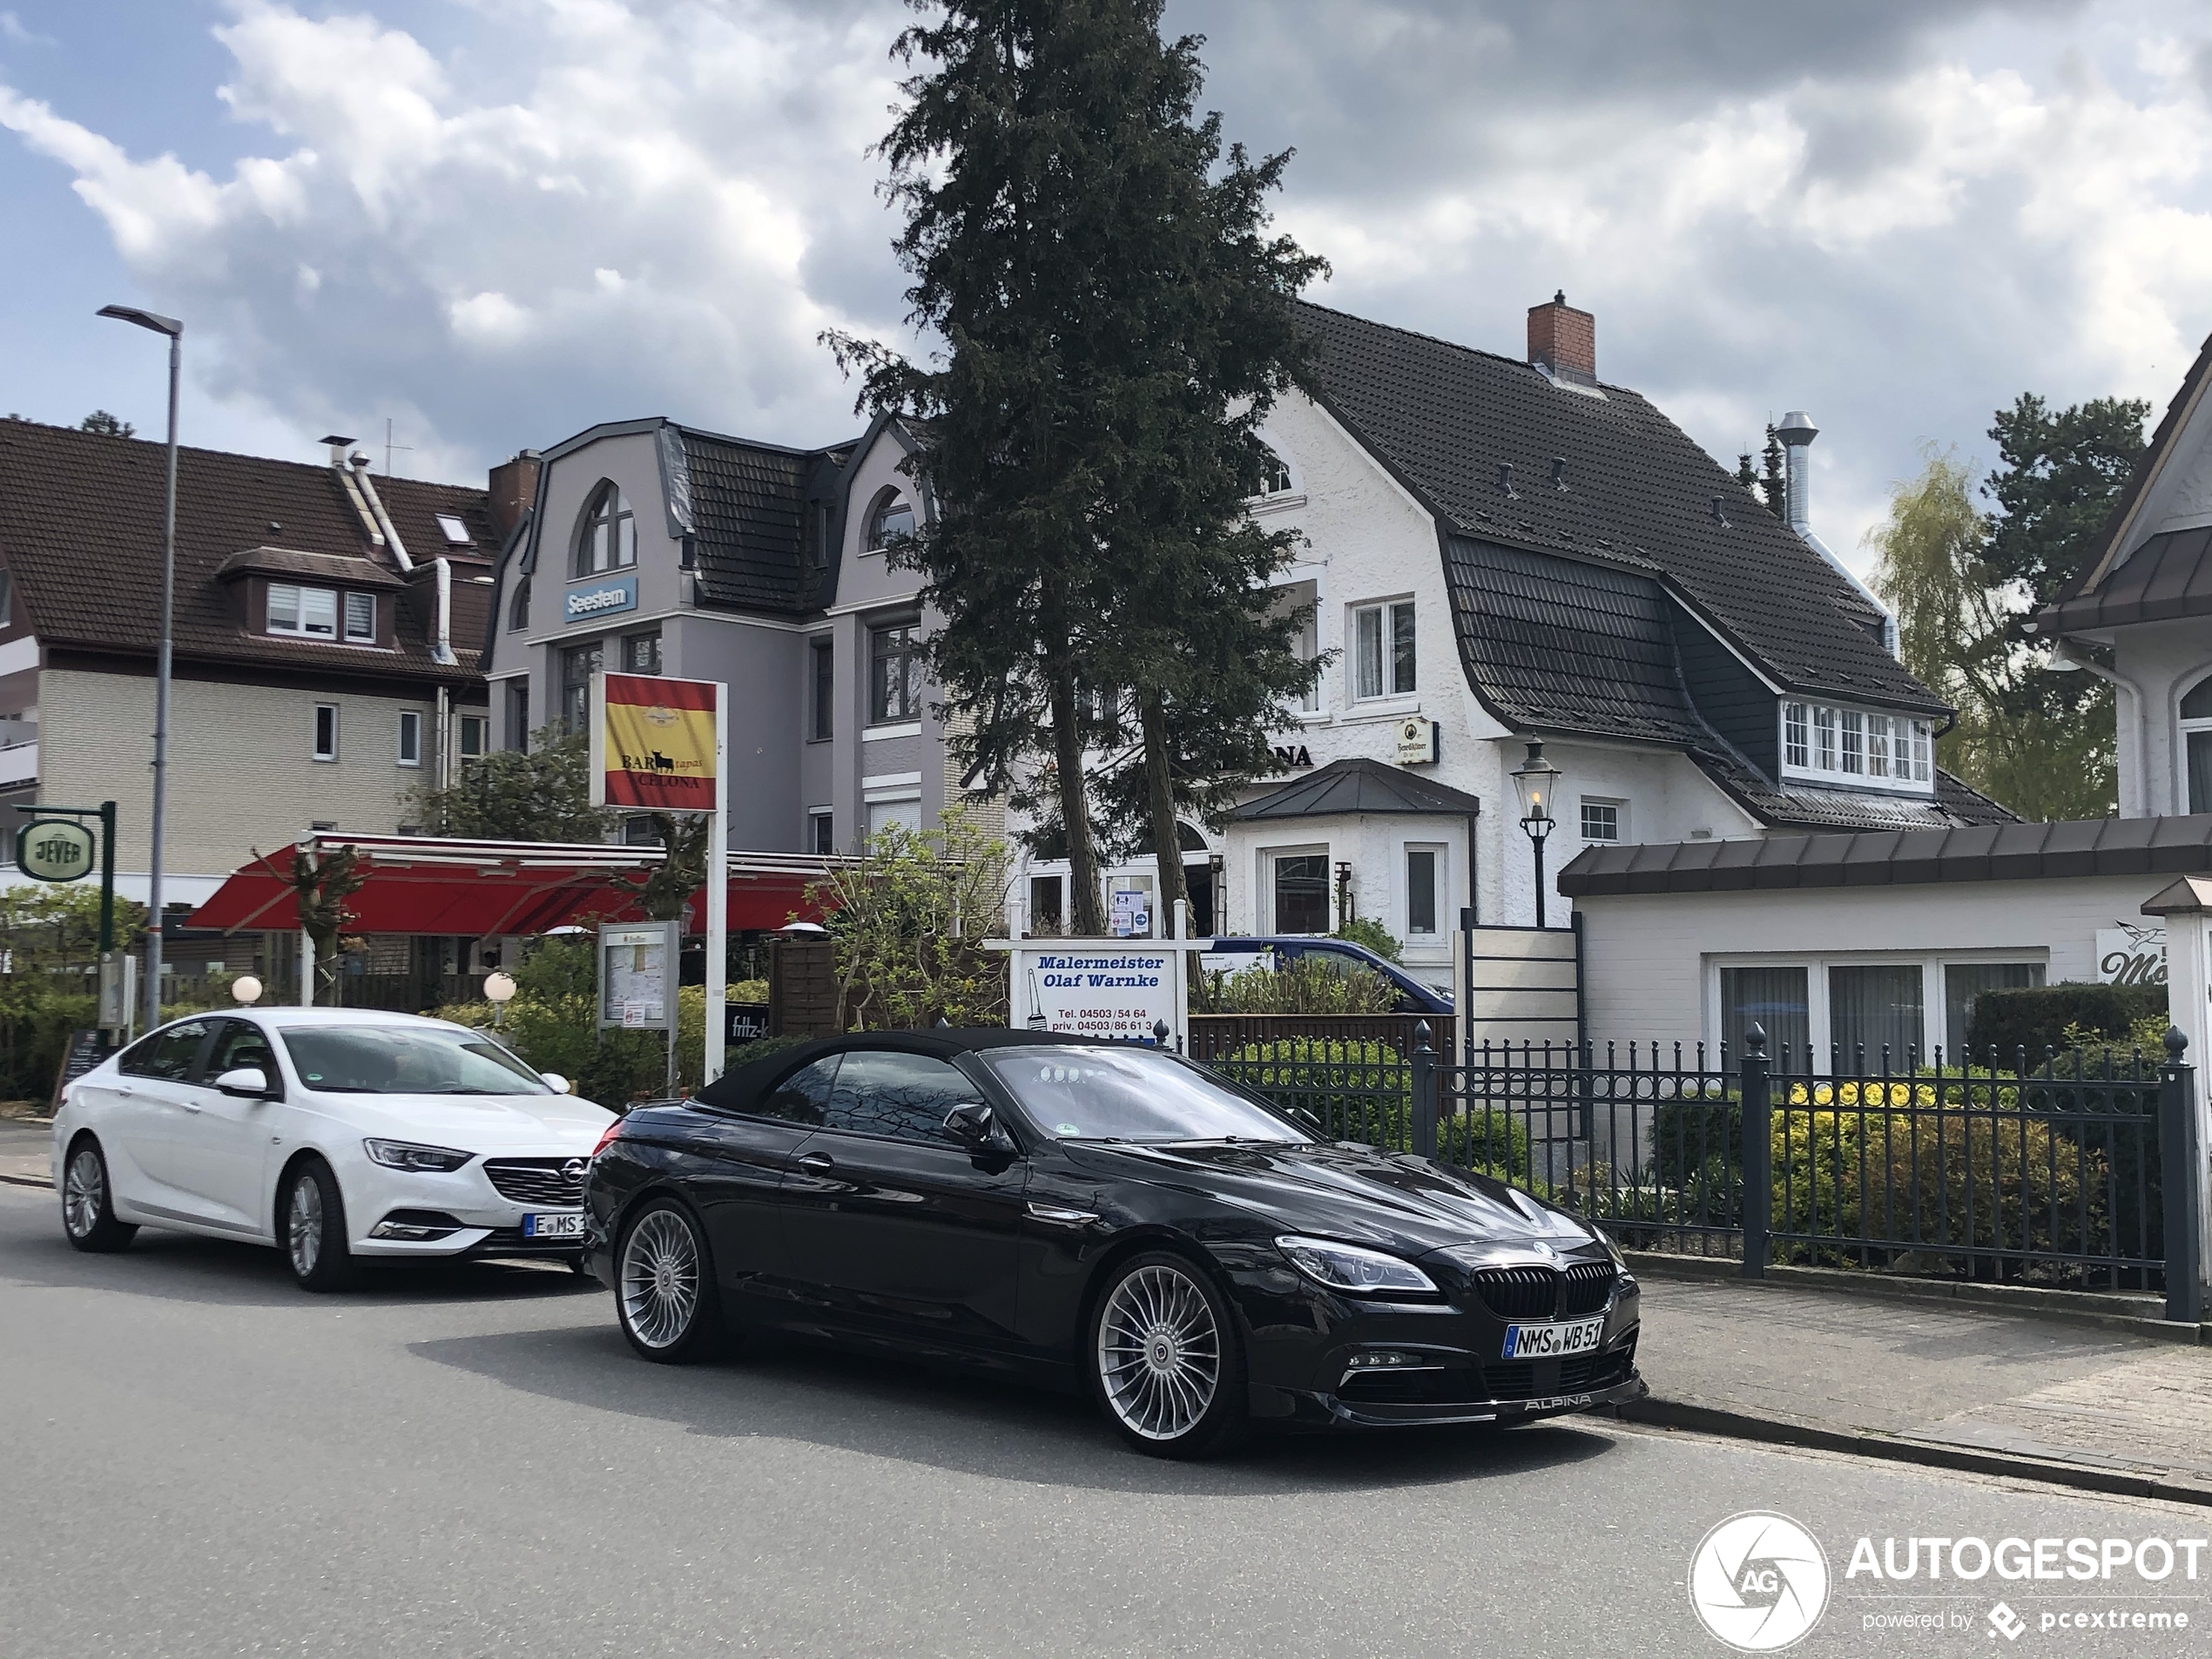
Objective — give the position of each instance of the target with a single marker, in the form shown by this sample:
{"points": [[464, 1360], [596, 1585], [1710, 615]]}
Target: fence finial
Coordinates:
{"points": [[1161, 1032], [1421, 1034], [2177, 1045], [1755, 1039]]}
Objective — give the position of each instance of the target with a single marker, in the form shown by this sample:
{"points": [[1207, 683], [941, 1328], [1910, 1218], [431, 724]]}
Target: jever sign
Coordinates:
{"points": [[652, 742], [54, 849]]}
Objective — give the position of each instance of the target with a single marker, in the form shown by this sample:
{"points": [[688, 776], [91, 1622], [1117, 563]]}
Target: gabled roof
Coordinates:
{"points": [[80, 531], [1357, 785], [1638, 493], [2111, 551], [2010, 852], [2168, 576]]}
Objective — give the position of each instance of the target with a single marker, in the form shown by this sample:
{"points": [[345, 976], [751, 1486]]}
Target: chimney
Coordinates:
{"points": [[1797, 432], [1563, 341], [514, 490]]}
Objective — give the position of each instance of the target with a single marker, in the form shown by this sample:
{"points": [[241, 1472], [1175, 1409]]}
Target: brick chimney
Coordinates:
{"points": [[1563, 341], [514, 488]]}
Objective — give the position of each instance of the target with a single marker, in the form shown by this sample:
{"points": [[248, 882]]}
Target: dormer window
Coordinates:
{"points": [[1857, 745], [606, 535], [893, 518], [314, 613]]}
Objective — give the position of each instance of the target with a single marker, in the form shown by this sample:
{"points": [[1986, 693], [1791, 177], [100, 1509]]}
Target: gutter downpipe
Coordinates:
{"points": [[441, 641], [383, 519], [2063, 646]]}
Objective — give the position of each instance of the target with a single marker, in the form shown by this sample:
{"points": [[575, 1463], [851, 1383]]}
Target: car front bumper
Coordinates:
{"points": [[474, 1216]]}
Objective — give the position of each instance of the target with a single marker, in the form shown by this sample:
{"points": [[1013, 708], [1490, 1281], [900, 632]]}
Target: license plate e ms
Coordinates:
{"points": [[566, 1223], [1554, 1341]]}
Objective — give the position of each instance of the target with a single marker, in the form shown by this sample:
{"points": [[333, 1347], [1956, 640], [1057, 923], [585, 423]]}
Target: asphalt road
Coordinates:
{"points": [[195, 1459]]}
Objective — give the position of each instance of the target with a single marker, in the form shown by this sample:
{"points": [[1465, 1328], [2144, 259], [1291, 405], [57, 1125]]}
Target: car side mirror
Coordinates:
{"points": [[554, 1080], [976, 1126], [244, 1082], [1310, 1121]]}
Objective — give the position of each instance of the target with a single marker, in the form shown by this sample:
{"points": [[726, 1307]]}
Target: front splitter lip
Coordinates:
{"points": [[1495, 1411]]}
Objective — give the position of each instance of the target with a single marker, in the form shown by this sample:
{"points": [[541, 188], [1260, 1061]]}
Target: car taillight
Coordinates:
{"points": [[613, 1130]]}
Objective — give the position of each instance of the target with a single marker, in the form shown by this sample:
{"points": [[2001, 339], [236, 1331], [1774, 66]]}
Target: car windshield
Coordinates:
{"points": [[405, 1060], [1128, 1094]]}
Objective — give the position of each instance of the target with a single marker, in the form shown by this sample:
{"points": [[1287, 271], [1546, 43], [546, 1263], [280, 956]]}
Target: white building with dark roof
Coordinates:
{"points": [[1504, 549]]}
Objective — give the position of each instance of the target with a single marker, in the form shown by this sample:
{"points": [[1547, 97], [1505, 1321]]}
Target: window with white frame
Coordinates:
{"points": [[1602, 819], [476, 737], [1382, 639], [2197, 745], [1857, 745], [410, 737], [361, 618], [1857, 1013], [1274, 475], [1424, 891], [310, 612], [326, 731]]}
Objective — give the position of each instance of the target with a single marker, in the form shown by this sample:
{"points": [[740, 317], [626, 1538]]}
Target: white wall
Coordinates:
{"points": [[2161, 662], [1650, 961]]}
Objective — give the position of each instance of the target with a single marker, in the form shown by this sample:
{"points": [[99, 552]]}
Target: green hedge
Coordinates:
{"points": [[1364, 1091], [2036, 1017]]}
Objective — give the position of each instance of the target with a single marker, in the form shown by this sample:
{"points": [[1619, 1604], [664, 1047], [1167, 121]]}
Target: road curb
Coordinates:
{"points": [[1777, 1431], [2135, 1316], [44, 1183]]}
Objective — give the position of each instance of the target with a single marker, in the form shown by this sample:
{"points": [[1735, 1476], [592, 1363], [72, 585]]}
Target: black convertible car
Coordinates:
{"points": [[1106, 1217]]}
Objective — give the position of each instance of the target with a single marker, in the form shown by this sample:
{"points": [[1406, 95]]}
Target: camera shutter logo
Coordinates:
{"points": [[1759, 1581]]}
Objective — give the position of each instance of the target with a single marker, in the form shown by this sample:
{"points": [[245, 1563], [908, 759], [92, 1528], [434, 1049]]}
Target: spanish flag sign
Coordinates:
{"points": [[652, 742]]}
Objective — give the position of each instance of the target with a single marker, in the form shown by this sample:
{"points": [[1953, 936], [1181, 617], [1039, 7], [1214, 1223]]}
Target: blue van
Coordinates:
{"points": [[1230, 955]]}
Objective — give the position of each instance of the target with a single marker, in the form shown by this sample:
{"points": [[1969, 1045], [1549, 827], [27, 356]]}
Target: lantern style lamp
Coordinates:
{"points": [[247, 989], [1536, 780]]}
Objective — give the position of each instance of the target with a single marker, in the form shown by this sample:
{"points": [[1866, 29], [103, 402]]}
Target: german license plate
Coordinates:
{"points": [[1554, 1341], [561, 1224]]}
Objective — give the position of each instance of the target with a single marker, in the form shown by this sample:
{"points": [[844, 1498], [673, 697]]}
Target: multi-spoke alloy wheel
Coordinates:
{"points": [[314, 1228], [664, 1286], [88, 1214], [1166, 1358]]}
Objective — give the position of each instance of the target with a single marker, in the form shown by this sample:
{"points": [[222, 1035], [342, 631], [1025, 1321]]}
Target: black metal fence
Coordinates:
{"points": [[2083, 1171]]}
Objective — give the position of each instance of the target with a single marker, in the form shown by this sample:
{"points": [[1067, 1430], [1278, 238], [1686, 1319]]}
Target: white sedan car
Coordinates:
{"points": [[335, 1135]]}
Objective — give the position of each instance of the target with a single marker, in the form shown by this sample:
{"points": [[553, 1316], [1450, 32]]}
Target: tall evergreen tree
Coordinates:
{"points": [[1116, 324]]}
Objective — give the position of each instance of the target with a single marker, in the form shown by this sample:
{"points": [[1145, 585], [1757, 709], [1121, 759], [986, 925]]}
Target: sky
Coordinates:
{"points": [[492, 223]]}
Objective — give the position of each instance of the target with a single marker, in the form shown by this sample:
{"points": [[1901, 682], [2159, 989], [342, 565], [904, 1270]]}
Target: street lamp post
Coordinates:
{"points": [[1536, 780], [174, 330]]}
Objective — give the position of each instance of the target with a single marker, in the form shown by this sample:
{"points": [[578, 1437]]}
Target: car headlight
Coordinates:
{"points": [[406, 1155], [1347, 1267], [1612, 1249]]}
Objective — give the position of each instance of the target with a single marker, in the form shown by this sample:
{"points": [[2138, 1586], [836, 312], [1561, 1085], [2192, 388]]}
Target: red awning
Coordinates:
{"points": [[435, 885]]}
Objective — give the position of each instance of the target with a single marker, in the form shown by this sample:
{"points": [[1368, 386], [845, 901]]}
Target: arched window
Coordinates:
{"points": [[1274, 475], [892, 518], [2196, 743], [518, 609], [606, 536]]}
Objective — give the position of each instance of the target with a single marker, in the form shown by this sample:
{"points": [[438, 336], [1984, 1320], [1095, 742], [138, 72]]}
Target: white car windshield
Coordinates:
{"points": [[1128, 1094], [405, 1060]]}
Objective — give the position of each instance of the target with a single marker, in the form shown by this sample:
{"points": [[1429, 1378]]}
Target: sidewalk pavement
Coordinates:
{"points": [[1944, 1382], [24, 1158]]}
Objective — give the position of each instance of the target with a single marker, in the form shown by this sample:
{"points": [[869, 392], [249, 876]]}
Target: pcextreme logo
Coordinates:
{"points": [[1759, 1581]]}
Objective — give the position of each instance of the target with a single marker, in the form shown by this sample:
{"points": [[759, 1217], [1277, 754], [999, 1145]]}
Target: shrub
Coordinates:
{"points": [[1365, 930], [1364, 1091], [1910, 1182], [1309, 985], [2037, 1017]]}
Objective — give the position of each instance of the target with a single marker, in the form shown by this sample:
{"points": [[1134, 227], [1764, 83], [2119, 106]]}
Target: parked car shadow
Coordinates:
{"points": [[184, 1267], [965, 1424]]}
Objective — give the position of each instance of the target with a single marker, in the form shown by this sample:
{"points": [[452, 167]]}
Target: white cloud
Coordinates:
{"points": [[1897, 214], [629, 230]]}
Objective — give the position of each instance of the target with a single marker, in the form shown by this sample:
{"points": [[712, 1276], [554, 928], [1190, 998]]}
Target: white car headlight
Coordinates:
{"points": [[1348, 1267], [406, 1155]]}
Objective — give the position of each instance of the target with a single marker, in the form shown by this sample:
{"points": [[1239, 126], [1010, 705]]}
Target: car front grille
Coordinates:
{"points": [[1517, 1292], [1451, 1386], [1579, 1373], [1589, 1288], [536, 1181]]}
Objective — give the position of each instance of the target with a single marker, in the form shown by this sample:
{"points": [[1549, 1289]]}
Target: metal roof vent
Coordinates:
{"points": [[1559, 474], [1720, 511], [1505, 481]]}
